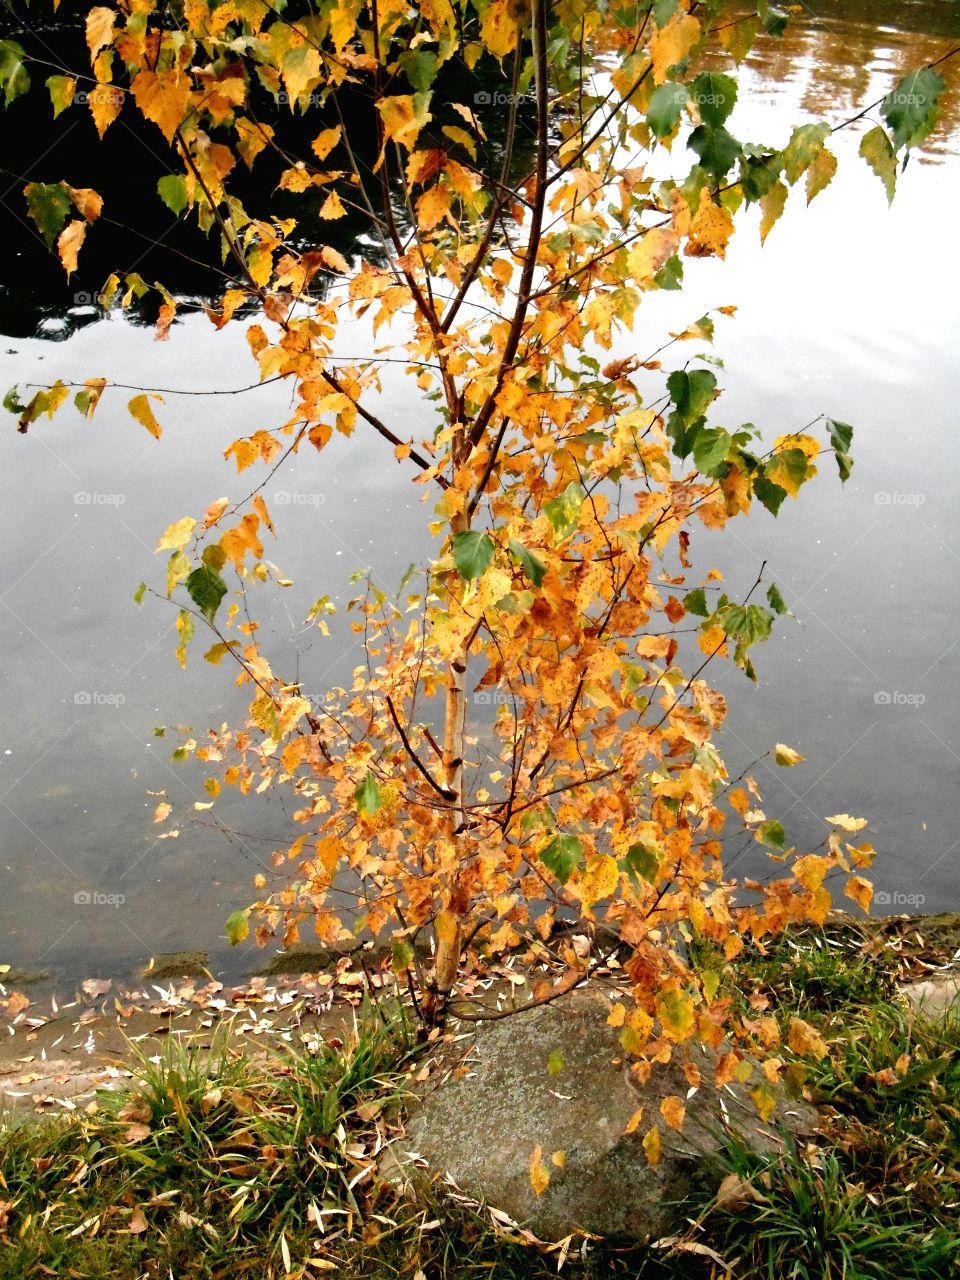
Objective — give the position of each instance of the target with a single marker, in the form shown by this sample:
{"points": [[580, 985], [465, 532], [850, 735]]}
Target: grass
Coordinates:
{"points": [[219, 1166]]}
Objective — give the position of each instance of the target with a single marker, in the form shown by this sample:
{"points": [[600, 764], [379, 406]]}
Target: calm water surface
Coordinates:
{"points": [[850, 310]]}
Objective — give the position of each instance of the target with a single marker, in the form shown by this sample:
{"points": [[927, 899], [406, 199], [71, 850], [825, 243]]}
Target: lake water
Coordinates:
{"points": [[849, 310]]}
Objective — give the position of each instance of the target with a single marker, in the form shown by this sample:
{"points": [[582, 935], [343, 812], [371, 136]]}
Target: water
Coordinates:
{"points": [[848, 310]]}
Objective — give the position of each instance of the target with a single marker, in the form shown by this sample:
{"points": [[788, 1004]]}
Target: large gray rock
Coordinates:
{"points": [[936, 998], [480, 1128]]}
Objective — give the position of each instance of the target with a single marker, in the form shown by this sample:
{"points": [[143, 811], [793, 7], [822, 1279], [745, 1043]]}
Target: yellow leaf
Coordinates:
{"points": [[672, 44], [617, 1016], [99, 26], [810, 871], [142, 410], [645, 259], [651, 1146], [765, 1098], [176, 537], [673, 1110], [709, 231], [846, 823], [324, 142], [599, 880], [332, 207], [859, 891], [806, 1040], [713, 640], [87, 202], [69, 242], [559, 1159], [105, 103], [402, 119], [433, 206], [164, 98], [786, 756], [539, 1173], [439, 13], [499, 27], [772, 204], [634, 1121]]}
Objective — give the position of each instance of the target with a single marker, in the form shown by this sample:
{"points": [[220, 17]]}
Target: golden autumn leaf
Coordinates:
{"points": [[859, 891], [673, 1109], [806, 1040], [99, 30], [69, 242], [599, 880], [651, 1146], [142, 410], [786, 756], [164, 98], [846, 823], [177, 535], [672, 44], [539, 1173]]}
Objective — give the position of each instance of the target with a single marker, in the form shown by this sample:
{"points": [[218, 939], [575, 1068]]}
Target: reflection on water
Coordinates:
{"points": [[834, 316]]}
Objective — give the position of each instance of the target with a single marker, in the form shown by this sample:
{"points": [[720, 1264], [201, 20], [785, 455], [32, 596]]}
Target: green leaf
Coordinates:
{"points": [[556, 1062], [773, 19], [61, 92], [13, 74], [772, 835], [207, 590], [172, 189], [747, 623], [214, 556], [48, 204], [420, 67], [770, 494], [561, 856], [641, 863], [237, 928], [775, 600], [533, 566], [670, 274], [368, 796], [663, 11], [759, 174], [696, 602], [12, 402], [911, 110], [401, 955], [717, 149], [879, 154], [804, 146], [841, 437], [692, 393], [564, 512], [715, 95], [666, 106], [140, 592], [710, 448], [472, 553]]}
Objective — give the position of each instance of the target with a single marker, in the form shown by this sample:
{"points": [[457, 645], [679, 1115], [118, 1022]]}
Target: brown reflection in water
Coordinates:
{"points": [[844, 53]]}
